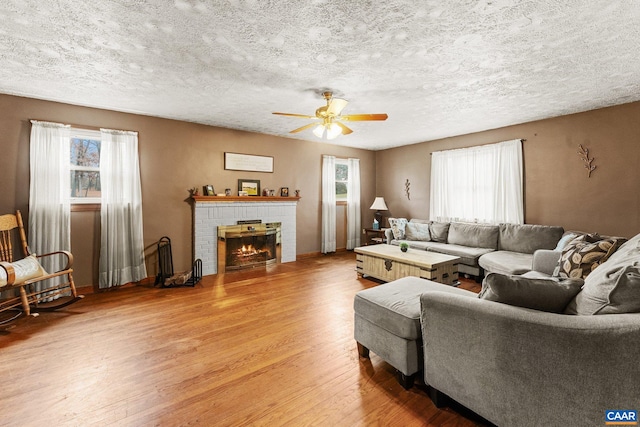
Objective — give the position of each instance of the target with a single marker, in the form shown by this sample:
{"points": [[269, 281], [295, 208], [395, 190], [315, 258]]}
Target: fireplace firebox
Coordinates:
{"points": [[248, 245]]}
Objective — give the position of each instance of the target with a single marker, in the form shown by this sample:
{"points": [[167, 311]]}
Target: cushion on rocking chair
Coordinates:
{"points": [[25, 269]]}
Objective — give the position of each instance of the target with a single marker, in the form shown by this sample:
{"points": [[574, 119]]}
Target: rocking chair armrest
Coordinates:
{"points": [[68, 254], [9, 271]]}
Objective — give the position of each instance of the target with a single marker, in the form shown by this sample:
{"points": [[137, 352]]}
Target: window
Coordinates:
{"points": [[342, 179], [84, 157], [478, 184]]}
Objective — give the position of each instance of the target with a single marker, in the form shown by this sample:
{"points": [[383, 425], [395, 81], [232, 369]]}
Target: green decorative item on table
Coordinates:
{"points": [[404, 247]]}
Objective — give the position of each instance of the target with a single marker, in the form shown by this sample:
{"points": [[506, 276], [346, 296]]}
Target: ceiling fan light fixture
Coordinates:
{"points": [[318, 131], [333, 130]]}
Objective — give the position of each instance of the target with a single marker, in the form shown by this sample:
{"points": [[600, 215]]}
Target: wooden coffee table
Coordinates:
{"points": [[388, 262]]}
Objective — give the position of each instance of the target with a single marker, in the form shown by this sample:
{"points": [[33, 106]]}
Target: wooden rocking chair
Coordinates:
{"points": [[27, 272]]}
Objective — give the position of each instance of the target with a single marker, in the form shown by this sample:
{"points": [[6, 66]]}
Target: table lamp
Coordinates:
{"points": [[378, 205]]}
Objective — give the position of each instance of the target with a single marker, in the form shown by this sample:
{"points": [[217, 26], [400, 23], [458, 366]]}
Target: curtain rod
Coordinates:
{"points": [[488, 143]]}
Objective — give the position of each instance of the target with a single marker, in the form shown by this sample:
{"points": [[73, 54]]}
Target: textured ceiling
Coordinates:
{"points": [[437, 68]]}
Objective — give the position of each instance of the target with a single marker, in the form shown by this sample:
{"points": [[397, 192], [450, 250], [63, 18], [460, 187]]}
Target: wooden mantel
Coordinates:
{"points": [[245, 199]]}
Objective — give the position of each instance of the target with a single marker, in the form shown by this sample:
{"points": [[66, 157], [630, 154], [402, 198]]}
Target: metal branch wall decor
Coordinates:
{"points": [[588, 162], [407, 186]]}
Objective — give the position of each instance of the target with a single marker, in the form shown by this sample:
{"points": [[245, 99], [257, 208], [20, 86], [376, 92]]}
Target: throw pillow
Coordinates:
{"points": [[548, 294], [584, 253], [417, 231], [25, 269], [398, 226], [614, 287], [565, 241]]}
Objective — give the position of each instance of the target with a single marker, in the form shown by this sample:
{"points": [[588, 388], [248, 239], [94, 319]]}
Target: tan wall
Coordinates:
{"points": [[174, 156], [557, 190]]}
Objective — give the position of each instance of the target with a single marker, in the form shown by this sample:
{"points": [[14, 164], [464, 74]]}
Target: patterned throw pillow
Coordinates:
{"points": [[417, 231], [398, 226], [583, 254]]}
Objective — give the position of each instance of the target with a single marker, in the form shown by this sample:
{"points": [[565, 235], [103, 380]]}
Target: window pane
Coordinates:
{"points": [[342, 172], [85, 152], [85, 184], [341, 191]]}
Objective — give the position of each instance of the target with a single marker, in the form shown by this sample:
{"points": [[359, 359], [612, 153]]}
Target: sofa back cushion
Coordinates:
{"points": [[528, 238], [613, 287], [474, 235], [439, 231]]}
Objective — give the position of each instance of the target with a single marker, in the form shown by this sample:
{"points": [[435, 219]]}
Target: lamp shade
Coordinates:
{"points": [[379, 204]]}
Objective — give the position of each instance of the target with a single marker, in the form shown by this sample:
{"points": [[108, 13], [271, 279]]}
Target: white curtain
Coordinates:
{"points": [[328, 204], [478, 184], [49, 187], [353, 204], [122, 246]]}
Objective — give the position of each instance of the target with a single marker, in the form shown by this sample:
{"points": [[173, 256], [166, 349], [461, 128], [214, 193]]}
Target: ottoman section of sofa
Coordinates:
{"points": [[387, 322]]}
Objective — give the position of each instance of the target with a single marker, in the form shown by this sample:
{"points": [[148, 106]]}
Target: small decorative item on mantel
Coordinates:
{"points": [[297, 193], [404, 247], [284, 192], [194, 191]]}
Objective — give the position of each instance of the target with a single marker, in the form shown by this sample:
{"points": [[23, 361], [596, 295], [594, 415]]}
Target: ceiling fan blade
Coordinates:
{"points": [[304, 116], [336, 105], [363, 117], [345, 130], [300, 129]]}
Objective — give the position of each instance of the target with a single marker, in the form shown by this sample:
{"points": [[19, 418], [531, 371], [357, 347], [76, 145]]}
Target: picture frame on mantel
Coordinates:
{"points": [[250, 186], [248, 162]]}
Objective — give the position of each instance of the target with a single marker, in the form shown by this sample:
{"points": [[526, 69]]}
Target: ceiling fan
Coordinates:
{"points": [[330, 118]]}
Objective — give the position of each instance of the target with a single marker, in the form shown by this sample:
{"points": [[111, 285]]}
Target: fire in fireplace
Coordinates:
{"points": [[248, 245]]}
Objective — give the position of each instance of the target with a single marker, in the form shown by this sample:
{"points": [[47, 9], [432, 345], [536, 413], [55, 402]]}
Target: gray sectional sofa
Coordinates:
{"points": [[503, 248], [519, 366]]}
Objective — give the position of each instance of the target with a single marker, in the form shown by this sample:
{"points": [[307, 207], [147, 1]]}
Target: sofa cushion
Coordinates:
{"points": [[25, 269], [584, 253], [506, 262], [398, 226], [527, 238], [474, 235], [613, 287], [439, 231], [551, 295], [468, 255], [417, 231]]}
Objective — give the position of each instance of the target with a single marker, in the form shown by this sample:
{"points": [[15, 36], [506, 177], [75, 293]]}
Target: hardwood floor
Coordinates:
{"points": [[263, 347]]}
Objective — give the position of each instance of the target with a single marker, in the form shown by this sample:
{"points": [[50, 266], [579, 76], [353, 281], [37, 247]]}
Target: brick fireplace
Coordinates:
{"points": [[211, 212]]}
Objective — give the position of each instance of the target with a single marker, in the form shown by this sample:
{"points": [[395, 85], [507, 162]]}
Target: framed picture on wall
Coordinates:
{"points": [[251, 186]]}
